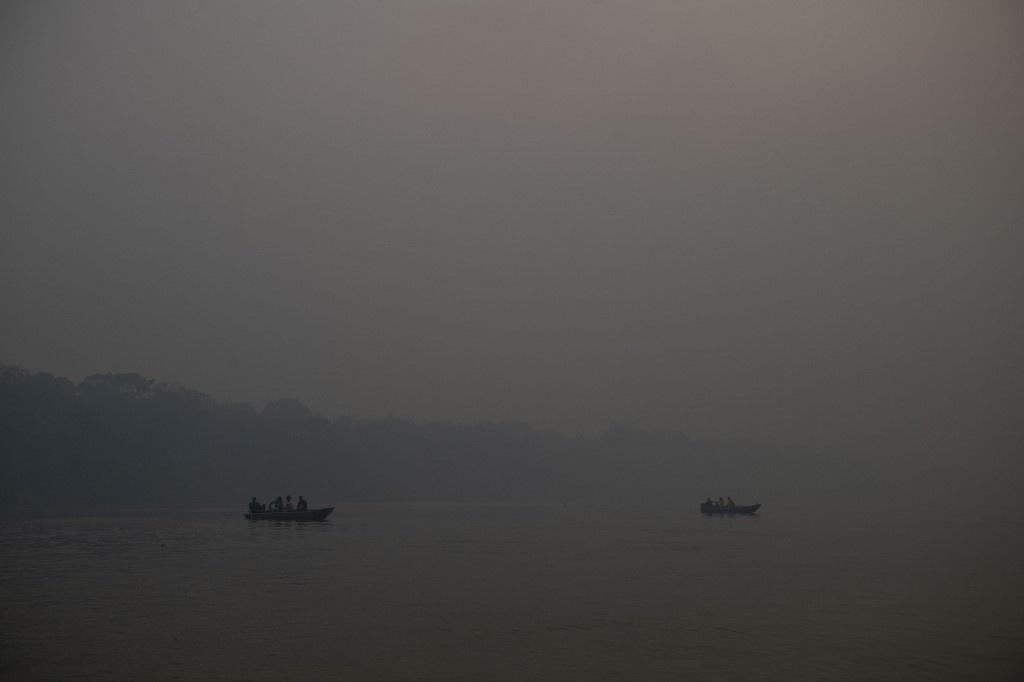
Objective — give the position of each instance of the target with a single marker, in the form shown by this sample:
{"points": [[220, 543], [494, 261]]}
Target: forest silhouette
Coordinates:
{"points": [[122, 438]]}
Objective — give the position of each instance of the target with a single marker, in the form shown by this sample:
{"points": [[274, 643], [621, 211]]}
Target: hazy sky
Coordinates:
{"points": [[794, 222]]}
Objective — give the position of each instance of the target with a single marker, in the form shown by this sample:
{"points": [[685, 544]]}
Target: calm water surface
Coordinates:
{"points": [[512, 592]]}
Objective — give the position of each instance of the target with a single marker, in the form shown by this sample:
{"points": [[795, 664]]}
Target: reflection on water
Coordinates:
{"points": [[393, 592]]}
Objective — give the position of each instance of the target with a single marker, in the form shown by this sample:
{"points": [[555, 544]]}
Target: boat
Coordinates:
{"points": [[711, 508], [303, 515]]}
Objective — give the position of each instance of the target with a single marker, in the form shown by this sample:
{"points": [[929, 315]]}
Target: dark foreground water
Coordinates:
{"points": [[531, 592]]}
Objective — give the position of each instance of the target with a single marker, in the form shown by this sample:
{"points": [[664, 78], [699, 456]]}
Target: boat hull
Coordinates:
{"points": [[305, 515], [706, 508]]}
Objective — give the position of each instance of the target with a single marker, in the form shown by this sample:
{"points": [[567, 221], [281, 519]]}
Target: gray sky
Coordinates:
{"points": [[789, 222]]}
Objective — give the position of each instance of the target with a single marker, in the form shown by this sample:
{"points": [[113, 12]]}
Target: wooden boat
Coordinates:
{"points": [[706, 508], [304, 515]]}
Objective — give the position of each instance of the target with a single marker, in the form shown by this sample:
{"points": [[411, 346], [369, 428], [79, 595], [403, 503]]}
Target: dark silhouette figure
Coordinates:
{"points": [[302, 505]]}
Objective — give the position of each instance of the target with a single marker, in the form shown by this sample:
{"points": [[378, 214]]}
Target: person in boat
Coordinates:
{"points": [[720, 503], [730, 504], [301, 505], [277, 504], [709, 502], [254, 506], [288, 506]]}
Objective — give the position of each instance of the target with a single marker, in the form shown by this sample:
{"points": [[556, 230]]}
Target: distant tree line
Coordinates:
{"points": [[127, 439]]}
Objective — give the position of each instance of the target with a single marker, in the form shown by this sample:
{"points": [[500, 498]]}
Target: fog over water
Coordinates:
{"points": [[794, 223], [512, 286]]}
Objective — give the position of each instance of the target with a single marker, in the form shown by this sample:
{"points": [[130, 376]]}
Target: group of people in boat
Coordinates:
{"points": [[279, 505], [720, 503]]}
